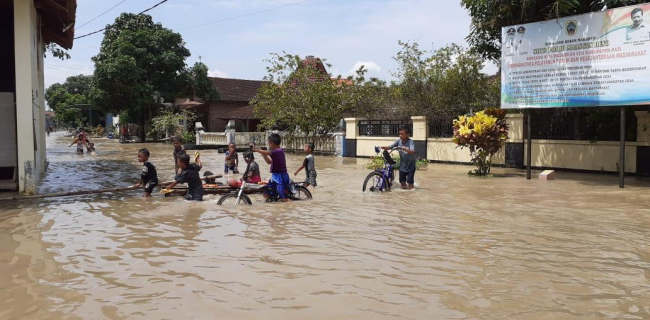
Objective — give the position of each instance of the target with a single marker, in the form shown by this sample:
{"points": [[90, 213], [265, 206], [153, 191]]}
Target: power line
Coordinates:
{"points": [[212, 22], [247, 14], [101, 14], [102, 29]]}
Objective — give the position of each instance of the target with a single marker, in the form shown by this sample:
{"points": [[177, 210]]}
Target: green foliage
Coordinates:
{"points": [[137, 61], [377, 162], [170, 123], [70, 101], [301, 98], [483, 133], [447, 80], [421, 164], [188, 137], [489, 16], [56, 51], [199, 84]]}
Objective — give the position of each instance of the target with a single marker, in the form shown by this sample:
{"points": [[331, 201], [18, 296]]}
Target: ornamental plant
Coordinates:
{"points": [[483, 133]]}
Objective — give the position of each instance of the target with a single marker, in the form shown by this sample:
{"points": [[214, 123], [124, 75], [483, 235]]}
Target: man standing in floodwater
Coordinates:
{"points": [[407, 158], [637, 31], [178, 151]]}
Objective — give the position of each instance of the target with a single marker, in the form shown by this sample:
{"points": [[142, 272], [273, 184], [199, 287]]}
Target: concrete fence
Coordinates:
{"points": [[326, 144], [322, 144], [211, 138], [559, 154]]}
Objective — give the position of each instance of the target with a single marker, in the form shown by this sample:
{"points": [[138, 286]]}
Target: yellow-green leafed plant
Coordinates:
{"points": [[377, 162], [483, 133]]}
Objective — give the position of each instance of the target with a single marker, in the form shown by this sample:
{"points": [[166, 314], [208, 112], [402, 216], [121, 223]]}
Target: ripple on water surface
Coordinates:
{"points": [[457, 247]]}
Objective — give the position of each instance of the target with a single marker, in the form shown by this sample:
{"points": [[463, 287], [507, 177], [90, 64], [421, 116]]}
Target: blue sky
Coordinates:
{"points": [[233, 37]]}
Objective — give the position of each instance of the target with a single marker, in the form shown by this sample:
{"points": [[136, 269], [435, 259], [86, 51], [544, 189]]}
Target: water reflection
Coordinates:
{"points": [[458, 247]]}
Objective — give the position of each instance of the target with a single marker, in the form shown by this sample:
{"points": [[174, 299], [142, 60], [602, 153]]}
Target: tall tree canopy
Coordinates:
{"points": [[445, 81], [300, 96], [489, 16], [70, 101], [138, 61], [199, 84]]}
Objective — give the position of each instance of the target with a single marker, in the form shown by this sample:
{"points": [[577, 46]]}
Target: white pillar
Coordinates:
{"points": [[27, 95], [420, 128], [351, 128]]}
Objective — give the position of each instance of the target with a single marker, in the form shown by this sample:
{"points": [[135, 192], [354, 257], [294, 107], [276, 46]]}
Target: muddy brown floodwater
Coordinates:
{"points": [[458, 247]]}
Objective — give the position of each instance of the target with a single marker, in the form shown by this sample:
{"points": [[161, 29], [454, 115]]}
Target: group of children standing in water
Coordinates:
{"points": [[187, 172]]}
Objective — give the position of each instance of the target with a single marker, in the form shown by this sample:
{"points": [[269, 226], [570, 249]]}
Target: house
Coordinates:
{"points": [[234, 98], [26, 26], [233, 104]]}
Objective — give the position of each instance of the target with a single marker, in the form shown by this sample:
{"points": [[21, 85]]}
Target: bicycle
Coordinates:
{"points": [[381, 179], [297, 191]]}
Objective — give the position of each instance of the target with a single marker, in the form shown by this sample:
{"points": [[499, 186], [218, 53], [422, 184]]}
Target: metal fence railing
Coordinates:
{"points": [[383, 128], [441, 126], [600, 124]]}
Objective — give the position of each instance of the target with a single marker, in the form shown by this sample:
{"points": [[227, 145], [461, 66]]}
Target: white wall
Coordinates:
{"points": [[444, 149], [366, 145], [582, 155], [29, 95]]}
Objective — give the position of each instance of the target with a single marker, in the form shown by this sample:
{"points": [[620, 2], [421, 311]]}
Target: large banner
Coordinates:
{"points": [[595, 59]]}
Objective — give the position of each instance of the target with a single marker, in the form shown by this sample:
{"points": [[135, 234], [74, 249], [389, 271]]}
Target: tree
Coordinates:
{"points": [[56, 51], [300, 96], [170, 123], [366, 97], [138, 61], [199, 84], [70, 101], [489, 16], [445, 81]]}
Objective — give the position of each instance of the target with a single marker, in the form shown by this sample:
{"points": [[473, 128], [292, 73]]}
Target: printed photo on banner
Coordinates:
{"points": [[589, 60]]}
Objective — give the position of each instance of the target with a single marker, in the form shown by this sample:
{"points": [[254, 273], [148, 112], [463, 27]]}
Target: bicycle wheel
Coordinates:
{"points": [[301, 193], [230, 200], [374, 182]]}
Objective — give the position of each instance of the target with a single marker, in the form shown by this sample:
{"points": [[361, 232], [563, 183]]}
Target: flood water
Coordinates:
{"points": [[458, 247]]}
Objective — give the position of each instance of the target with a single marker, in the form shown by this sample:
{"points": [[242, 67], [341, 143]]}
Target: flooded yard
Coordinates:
{"points": [[458, 247]]}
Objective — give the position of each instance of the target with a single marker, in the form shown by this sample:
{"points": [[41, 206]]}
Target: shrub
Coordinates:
{"points": [[188, 137], [483, 134], [377, 162], [170, 123], [422, 164]]}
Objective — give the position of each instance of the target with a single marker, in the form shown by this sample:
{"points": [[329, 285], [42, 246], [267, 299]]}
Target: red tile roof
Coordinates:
{"points": [[236, 89]]}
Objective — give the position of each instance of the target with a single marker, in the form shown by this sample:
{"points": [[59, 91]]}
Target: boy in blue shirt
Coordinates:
{"points": [[407, 158], [279, 177]]}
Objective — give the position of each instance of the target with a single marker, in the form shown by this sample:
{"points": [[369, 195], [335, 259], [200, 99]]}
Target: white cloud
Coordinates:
{"points": [[217, 73], [371, 66]]}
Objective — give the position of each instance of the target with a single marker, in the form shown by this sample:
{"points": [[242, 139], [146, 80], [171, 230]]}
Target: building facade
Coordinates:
{"points": [[233, 104], [26, 27]]}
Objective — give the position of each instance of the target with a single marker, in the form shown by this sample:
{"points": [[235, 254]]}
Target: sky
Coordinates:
{"points": [[234, 37]]}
